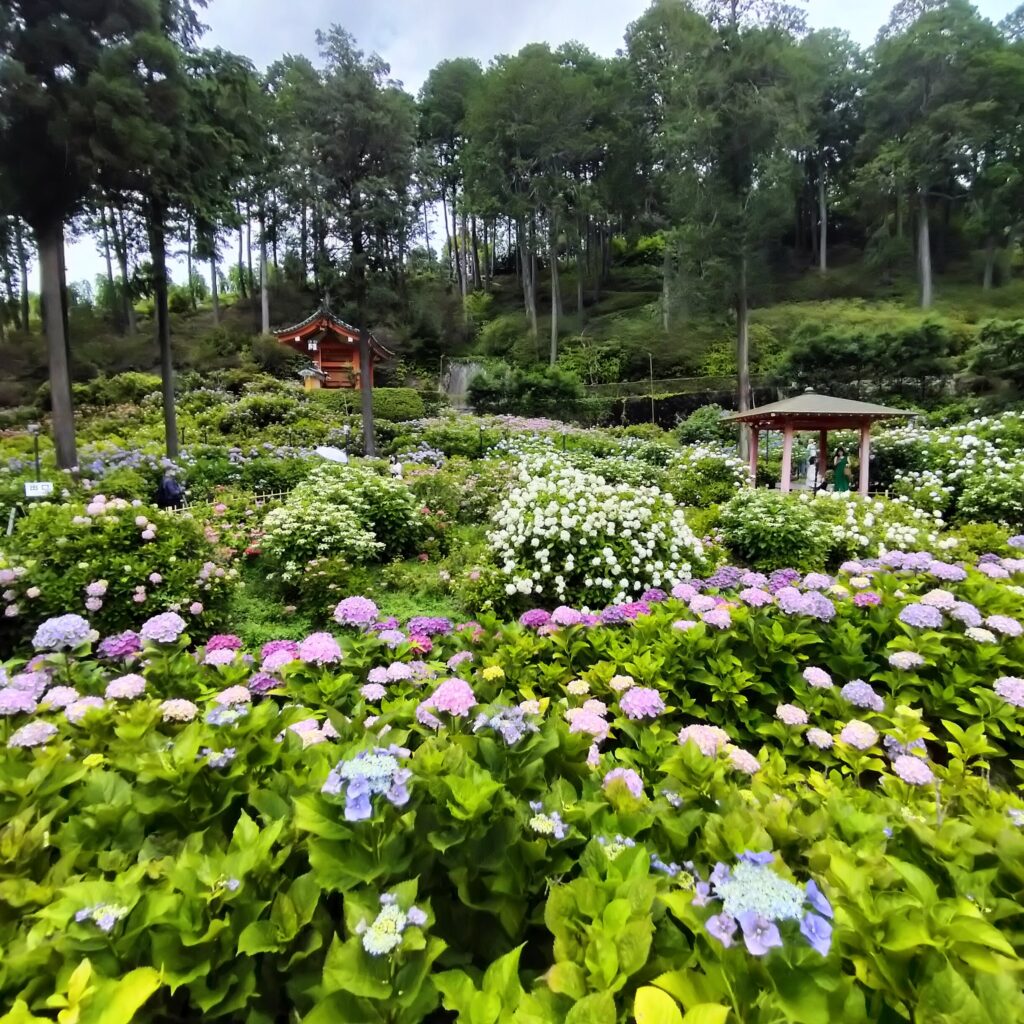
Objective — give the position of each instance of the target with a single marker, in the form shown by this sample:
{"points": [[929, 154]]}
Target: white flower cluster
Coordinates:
{"points": [[570, 535]]}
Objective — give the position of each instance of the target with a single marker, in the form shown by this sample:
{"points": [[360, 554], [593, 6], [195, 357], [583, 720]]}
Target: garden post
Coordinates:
{"points": [[865, 457], [787, 459], [753, 456], [822, 457]]}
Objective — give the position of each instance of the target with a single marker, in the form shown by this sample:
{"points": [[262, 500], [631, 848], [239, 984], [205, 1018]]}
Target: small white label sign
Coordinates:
{"points": [[38, 489]]}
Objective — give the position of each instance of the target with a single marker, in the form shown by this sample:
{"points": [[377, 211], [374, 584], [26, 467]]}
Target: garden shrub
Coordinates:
{"points": [[995, 494], [769, 530], [543, 391], [397, 404], [255, 412], [706, 475], [705, 426], [106, 545], [562, 535], [974, 539]]}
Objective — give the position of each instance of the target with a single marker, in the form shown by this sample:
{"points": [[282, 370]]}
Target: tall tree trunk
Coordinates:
{"points": [[596, 248], [50, 240], [241, 253], [666, 288], [532, 257], [188, 262], [19, 239], [924, 252], [477, 283], [264, 283], [447, 234], [488, 253], [454, 243], [366, 393], [251, 277], [214, 290], [555, 288], [464, 245], [158, 256], [121, 249], [106, 248], [426, 231], [529, 293], [743, 352], [899, 213], [580, 311], [822, 221], [304, 243], [990, 262]]}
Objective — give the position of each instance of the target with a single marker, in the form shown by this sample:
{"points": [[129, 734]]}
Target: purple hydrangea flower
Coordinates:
{"points": [[722, 927], [946, 572], [867, 599], [818, 606], [220, 656], [791, 600], [454, 696], [1005, 625], [373, 692], [817, 581], [223, 642], [913, 770], [791, 715], [759, 933], [921, 616], [35, 734], [708, 738], [684, 591], [60, 697], [859, 735], [391, 637], [534, 618], [628, 777], [817, 899], [16, 702], [819, 738], [641, 702], [510, 723], [319, 649], [276, 646], [371, 773], [905, 660], [818, 933], [563, 615], [398, 671], [63, 632], [120, 645], [1009, 688], [654, 595], [425, 625], [164, 628], [965, 612], [129, 687], [76, 711], [717, 617], [261, 682], [356, 611], [457, 659], [818, 678], [755, 597], [860, 695]]}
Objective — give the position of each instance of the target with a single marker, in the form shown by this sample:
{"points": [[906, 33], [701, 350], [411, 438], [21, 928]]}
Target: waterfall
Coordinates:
{"points": [[455, 384]]}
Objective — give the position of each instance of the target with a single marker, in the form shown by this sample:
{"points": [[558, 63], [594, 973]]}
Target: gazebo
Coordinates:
{"points": [[821, 413], [332, 346]]}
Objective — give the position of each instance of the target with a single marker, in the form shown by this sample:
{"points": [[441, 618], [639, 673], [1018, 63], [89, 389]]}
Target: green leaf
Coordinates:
{"points": [[259, 937], [652, 1006], [598, 1008], [567, 979], [981, 933], [117, 1002], [707, 1013], [347, 969]]}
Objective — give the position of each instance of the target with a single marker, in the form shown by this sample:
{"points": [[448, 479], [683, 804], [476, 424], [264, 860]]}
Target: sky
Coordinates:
{"points": [[413, 36]]}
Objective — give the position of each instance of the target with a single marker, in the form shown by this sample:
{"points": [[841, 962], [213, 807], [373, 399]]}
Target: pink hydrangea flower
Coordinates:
{"points": [[708, 738], [319, 649], [221, 656], [178, 710], [859, 735], [818, 678], [742, 760], [641, 702], [129, 687], [819, 738], [913, 770], [587, 721], [628, 777], [234, 695], [454, 696], [790, 714]]}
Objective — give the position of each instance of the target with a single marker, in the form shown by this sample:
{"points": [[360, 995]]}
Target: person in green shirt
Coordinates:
{"points": [[841, 472]]}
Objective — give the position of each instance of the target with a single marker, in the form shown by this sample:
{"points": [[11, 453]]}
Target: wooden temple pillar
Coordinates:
{"points": [[865, 457], [754, 438], [786, 483]]}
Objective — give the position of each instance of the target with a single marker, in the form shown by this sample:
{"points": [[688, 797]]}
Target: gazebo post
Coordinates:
{"points": [[865, 457], [822, 457], [786, 483], [754, 435]]}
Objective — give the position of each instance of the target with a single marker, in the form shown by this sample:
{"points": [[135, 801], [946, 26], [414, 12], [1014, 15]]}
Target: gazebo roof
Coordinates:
{"points": [[322, 317], [811, 411]]}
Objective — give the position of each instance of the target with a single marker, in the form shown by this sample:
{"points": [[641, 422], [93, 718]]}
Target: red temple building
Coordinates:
{"points": [[333, 348]]}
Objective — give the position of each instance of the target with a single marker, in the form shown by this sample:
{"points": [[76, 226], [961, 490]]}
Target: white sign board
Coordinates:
{"points": [[38, 489]]}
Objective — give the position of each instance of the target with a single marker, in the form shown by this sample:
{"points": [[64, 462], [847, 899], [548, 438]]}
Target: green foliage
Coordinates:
{"points": [[537, 392], [705, 426], [121, 389], [255, 412], [65, 548], [705, 475], [397, 404], [773, 531]]}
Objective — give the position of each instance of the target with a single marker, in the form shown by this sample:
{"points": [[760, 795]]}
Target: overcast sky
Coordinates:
{"points": [[414, 35]]}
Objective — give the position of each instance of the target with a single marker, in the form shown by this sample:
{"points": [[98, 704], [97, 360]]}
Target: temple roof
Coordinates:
{"points": [[322, 316], [811, 406]]}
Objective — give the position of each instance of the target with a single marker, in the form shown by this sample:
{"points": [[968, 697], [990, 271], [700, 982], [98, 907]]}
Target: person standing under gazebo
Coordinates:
{"points": [[841, 472]]}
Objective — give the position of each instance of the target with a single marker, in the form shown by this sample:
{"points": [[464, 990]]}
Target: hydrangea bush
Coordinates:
{"points": [[758, 795], [563, 535]]}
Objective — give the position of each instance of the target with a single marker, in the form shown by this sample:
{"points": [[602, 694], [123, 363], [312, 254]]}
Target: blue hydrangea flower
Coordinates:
{"points": [[755, 888], [371, 773], [546, 824], [510, 723], [760, 934], [818, 933], [226, 714]]}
